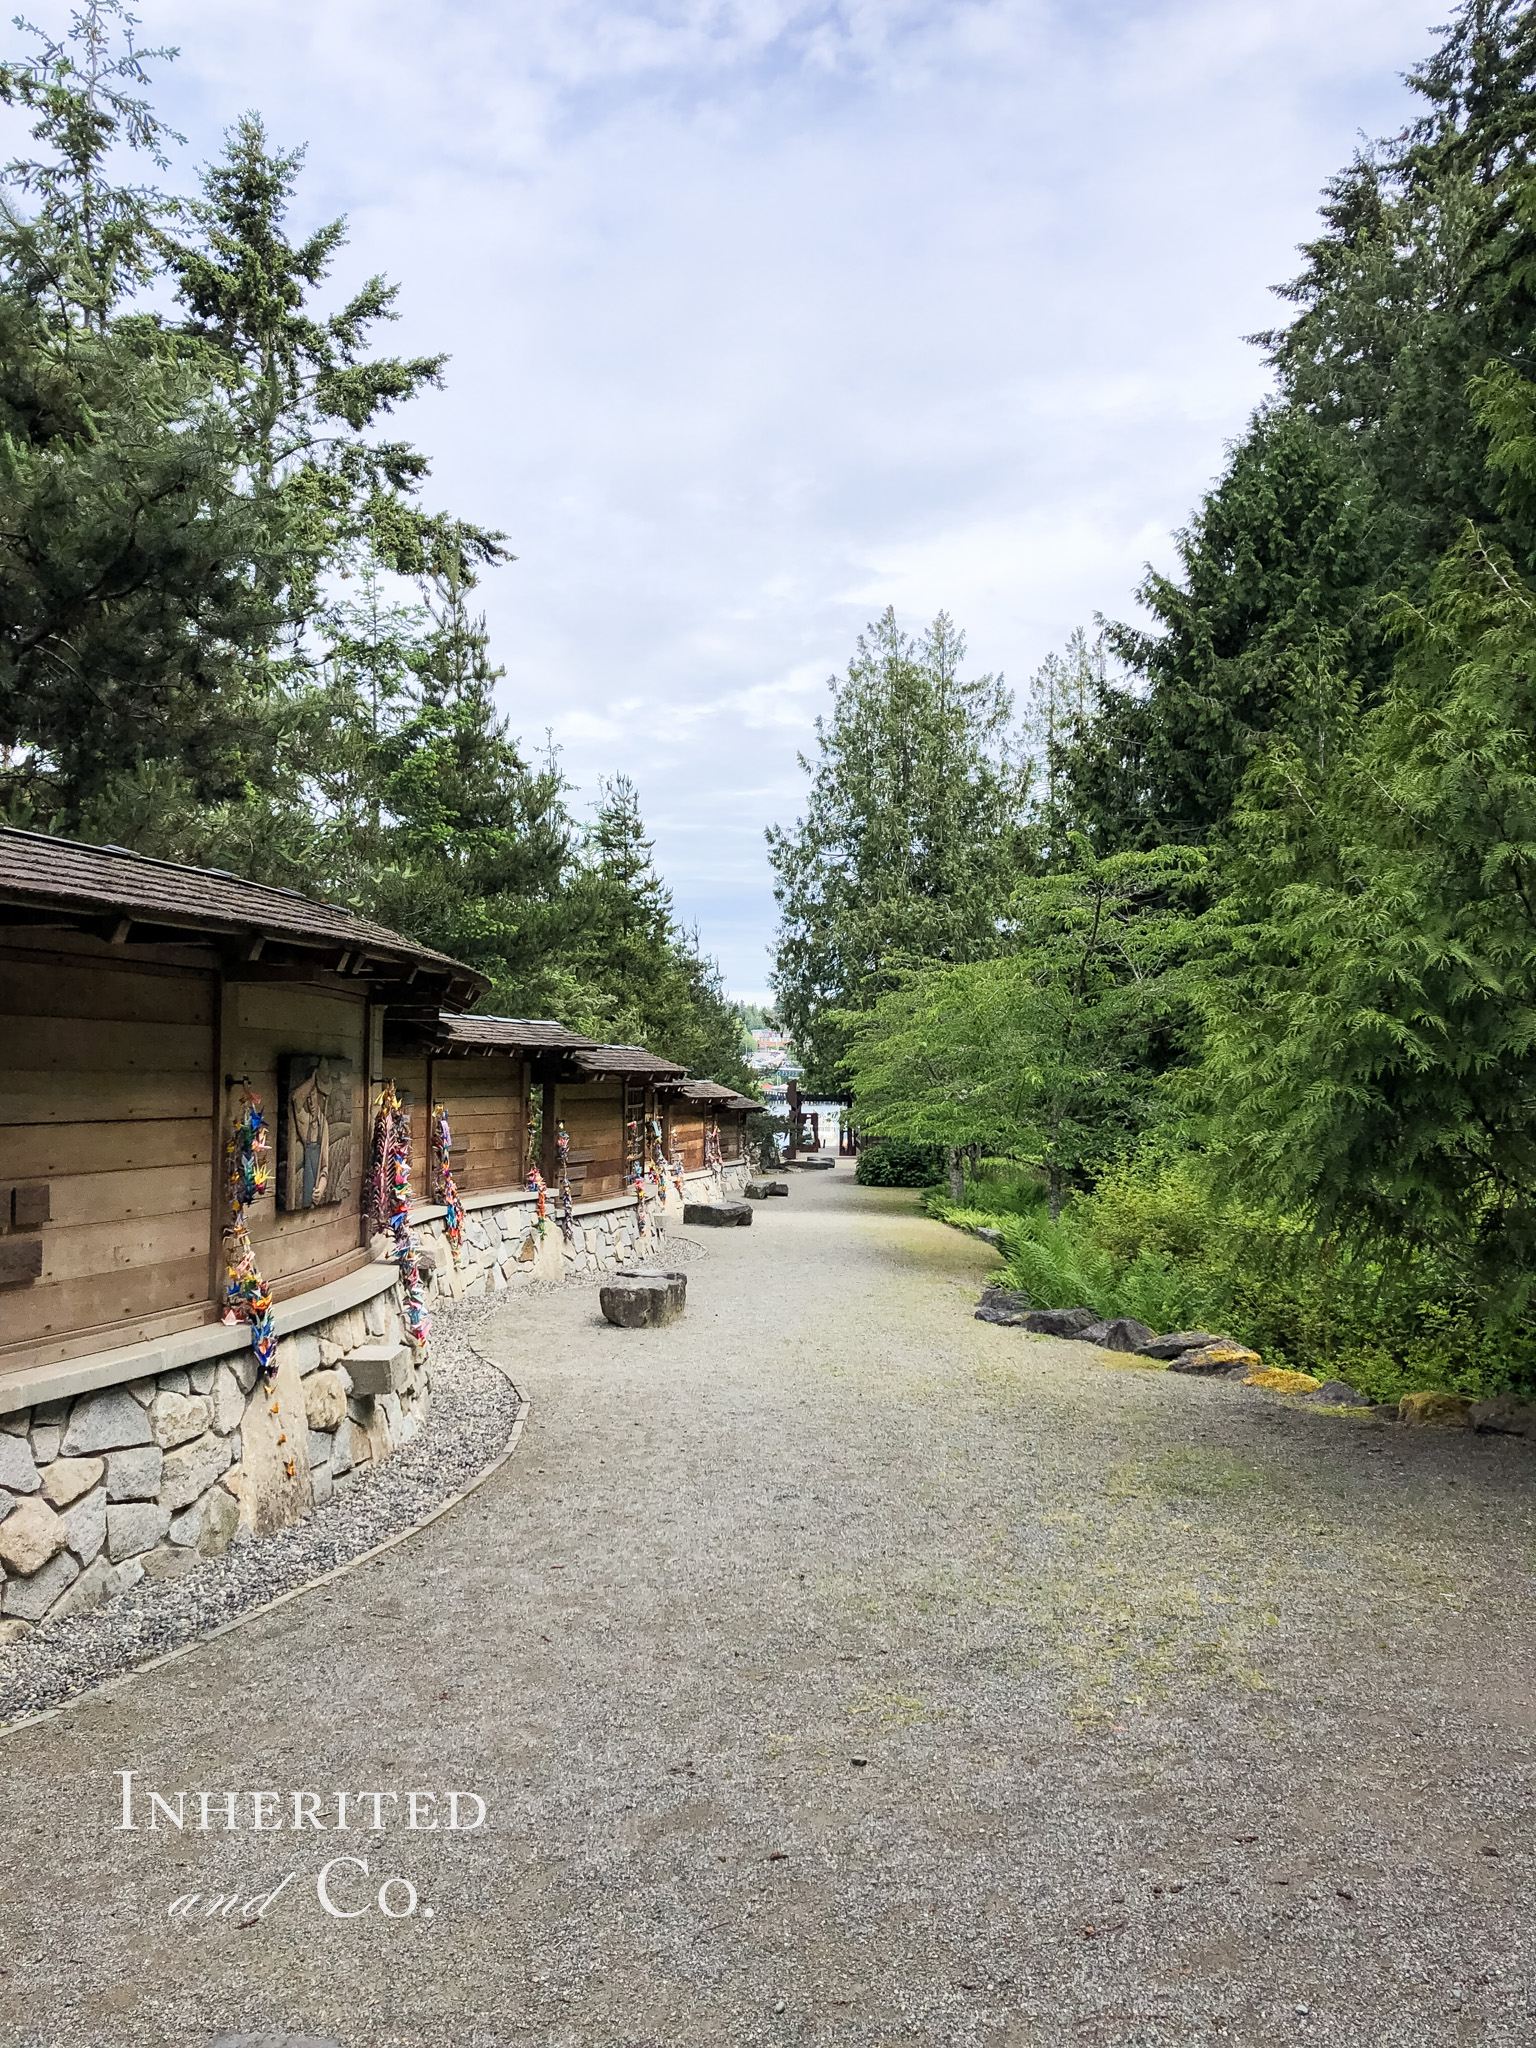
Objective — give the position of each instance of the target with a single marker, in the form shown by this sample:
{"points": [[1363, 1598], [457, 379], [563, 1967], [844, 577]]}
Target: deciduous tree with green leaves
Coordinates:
{"points": [[1049, 1052]]}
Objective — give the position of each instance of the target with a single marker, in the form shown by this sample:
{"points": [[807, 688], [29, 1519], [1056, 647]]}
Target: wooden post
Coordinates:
{"points": [[792, 1104], [549, 1157], [225, 1016]]}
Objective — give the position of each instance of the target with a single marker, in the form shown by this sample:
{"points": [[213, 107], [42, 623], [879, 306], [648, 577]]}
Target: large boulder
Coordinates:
{"points": [[273, 1484], [1505, 1416], [1120, 1333], [1181, 1341], [1059, 1322], [643, 1298], [1451, 1411], [1005, 1305], [1224, 1357], [722, 1215], [760, 1190], [1339, 1394]]}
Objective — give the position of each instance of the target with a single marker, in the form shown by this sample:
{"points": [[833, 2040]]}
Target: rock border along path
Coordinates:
{"points": [[839, 1670]]}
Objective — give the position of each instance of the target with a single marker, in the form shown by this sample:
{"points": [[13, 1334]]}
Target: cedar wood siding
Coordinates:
{"points": [[264, 1021], [593, 1114], [687, 1136], [485, 1099], [106, 1095]]}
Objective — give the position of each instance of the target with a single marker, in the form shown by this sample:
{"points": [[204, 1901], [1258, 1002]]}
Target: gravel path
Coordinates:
{"points": [[474, 1407], [839, 1670]]}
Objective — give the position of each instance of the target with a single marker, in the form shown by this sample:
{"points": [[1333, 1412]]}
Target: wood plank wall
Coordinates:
{"points": [[594, 1115], [262, 1022], [485, 1099], [686, 1129], [688, 1138], [410, 1079], [106, 1097]]}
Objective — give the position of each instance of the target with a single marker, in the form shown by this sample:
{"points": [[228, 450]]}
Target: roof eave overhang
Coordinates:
{"points": [[418, 977]]}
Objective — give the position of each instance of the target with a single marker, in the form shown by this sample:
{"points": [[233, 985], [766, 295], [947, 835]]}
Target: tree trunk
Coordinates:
{"points": [[956, 1174], [1053, 1179]]}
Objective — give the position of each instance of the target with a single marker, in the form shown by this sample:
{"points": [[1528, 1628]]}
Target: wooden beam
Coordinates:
{"points": [[549, 1158], [121, 930], [253, 950]]}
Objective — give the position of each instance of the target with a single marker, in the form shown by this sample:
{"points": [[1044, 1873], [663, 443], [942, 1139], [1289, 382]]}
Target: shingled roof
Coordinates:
{"points": [[711, 1094], [624, 1059], [121, 895], [508, 1034]]}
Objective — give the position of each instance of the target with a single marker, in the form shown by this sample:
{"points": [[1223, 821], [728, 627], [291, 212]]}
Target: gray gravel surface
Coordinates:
{"points": [[838, 1669], [473, 1409]]}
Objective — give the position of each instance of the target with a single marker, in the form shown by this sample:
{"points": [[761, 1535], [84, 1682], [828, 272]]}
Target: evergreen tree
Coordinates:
{"points": [[911, 840], [128, 610], [1357, 479], [305, 386], [1372, 1051]]}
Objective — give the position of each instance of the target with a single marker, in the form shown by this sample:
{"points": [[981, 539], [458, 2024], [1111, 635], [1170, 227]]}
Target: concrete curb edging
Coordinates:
{"points": [[122, 1678]]}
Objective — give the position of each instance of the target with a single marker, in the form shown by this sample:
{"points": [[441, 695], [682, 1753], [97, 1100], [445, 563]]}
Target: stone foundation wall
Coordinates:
{"points": [[503, 1247], [100, 1490]]}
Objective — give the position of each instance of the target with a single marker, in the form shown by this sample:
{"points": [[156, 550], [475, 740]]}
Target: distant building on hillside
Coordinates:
{"points": [[773, 1061]]}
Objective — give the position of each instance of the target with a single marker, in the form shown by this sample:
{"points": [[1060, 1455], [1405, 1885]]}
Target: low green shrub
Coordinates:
{"points": [[1158, 1240], [893, 1163]]}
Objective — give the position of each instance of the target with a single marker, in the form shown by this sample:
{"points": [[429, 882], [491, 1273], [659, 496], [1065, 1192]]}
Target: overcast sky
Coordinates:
{"points": [[763, 316]]}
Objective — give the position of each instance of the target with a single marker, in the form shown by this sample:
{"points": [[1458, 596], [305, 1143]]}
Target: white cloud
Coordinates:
{"points": [[764, 314]]}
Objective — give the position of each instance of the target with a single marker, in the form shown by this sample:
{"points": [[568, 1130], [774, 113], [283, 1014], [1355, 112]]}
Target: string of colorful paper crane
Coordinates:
{"points": [[672, 1165], [637, 1175], [536, 1186], [712, 1154], [376, 1191], [447, 1186], [248, 1298], [563, 1153], [397, 1138]]}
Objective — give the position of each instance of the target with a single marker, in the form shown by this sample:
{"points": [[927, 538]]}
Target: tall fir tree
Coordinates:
{"points": [[914, 830]]}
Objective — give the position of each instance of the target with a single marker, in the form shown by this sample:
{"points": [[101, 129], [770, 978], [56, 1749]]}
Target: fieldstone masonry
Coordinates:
{"points": [[102, 1489], [503, 1246], [98, 1491]]}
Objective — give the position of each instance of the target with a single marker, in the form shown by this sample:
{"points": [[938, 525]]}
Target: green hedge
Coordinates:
{"points": [[893, 1163]]}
